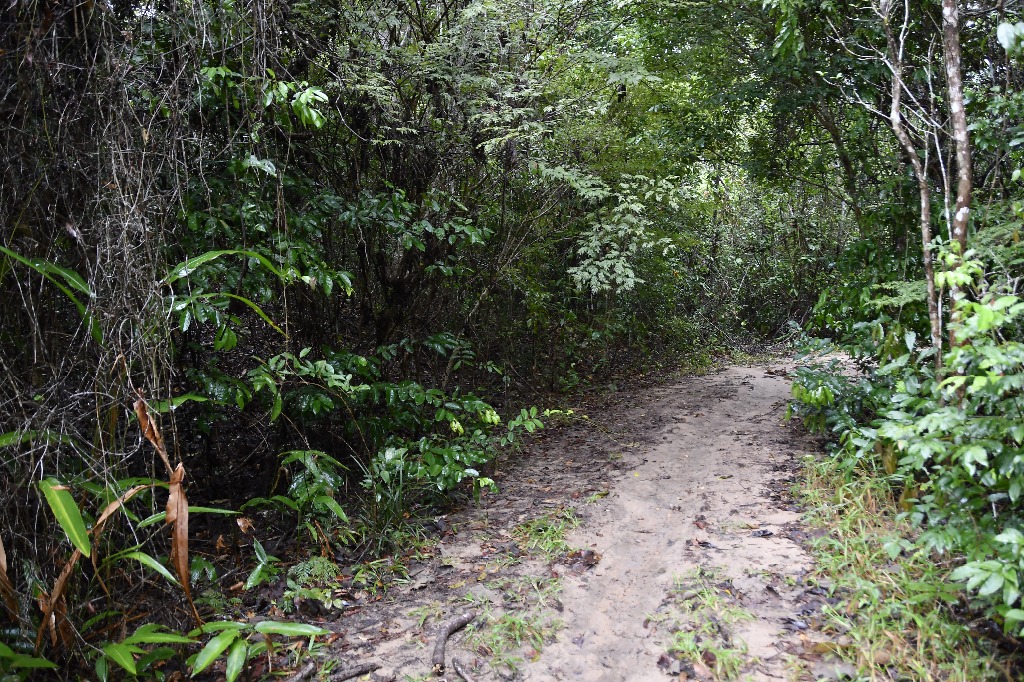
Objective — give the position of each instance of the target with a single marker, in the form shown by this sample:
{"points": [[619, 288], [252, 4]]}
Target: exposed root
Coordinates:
{"points": [[444, 631]]}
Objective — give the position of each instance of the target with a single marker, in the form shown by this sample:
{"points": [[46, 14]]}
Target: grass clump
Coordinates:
{"points": [[501, 637], [699, 611], [545, 535], [898, 613]]}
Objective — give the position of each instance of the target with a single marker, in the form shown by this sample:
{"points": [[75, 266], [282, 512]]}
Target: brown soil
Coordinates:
{"points": [[686, 526]]}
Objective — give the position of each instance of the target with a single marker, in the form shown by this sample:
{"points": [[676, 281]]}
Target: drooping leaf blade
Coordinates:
{"points": [[236, 659], [121, 654], [270, 627], [213, 649], [67, 513]]}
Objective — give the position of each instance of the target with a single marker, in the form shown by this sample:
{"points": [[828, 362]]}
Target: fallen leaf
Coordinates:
{"points": [[824, 647]]}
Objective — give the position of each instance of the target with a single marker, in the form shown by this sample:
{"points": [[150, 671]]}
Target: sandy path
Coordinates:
{"points": [[710, 463], [685, 475]]}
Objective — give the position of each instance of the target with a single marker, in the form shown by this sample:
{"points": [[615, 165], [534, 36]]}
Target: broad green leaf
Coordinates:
{"points": [[1014, 615], [964, 572], [217, 626], [261, 553], [213, 649], [236, 659], [70, 279], [67, 513], [270, 627], [151, 633], [993, 584], [275, 411], [26, 661], [122, 655], [169, 405], [19, 437], [16, 437], [331, 504]]}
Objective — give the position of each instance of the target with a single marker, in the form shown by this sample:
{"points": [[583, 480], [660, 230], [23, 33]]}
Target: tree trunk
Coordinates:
{"points": [[958, 120], [924, 192]]}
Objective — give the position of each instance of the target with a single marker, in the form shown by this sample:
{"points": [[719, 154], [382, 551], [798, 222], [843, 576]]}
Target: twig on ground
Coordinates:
{"points": [[304, 674], [353, 671], [444, 631], [461, 671]]}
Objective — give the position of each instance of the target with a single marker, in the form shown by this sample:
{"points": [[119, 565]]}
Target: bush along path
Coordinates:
{"points": [[650, 535]]}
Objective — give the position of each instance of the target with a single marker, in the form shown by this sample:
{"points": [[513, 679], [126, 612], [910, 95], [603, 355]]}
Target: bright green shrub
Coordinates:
{"points": [[954, 443]]}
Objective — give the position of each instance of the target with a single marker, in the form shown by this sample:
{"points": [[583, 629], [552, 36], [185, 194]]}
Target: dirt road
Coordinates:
{"points": [[682, 566]]}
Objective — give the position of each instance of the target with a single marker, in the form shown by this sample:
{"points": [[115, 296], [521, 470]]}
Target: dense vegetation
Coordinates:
{"points": [[317, 261]]}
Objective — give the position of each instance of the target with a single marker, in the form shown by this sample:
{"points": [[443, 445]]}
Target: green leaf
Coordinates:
{"points": [[964, 572], [70, 279], [331, 504], [236, 659], [122, 655], [18, 437], [147, 560], [261, 553], [217, 626], [186, 268], [1014, 616], [992, 585], [275, 411], [26, 661], [15, 438], [213, 649], [151, 633], [169, 405], [243, 300], [159, 517], [265, 165], [270, 627], [67, 513]]}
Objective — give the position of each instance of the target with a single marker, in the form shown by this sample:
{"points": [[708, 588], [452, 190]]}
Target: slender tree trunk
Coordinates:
{"points": [[924, 192], [961, 138]]}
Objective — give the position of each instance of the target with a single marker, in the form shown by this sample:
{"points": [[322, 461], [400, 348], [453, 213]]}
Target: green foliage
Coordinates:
{"points": [[266, 569], [65, 509], [546, 534], [243, 641], [130, 655], [953, 443], [18, 666], [326, 244], [66, 280], [312, 580], [316, 479]]}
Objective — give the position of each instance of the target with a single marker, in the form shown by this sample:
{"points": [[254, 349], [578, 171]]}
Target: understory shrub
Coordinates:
{"points": [[950, 443]]}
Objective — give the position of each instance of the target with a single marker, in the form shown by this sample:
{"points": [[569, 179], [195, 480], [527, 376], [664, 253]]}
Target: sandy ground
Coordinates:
{"points": [[681, 492]]}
